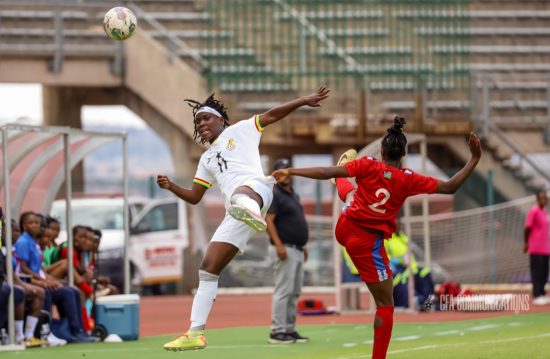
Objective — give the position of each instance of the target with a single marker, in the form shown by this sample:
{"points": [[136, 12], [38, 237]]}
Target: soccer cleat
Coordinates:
{"points": [[35, 343], [281, 338], [247, 216], [541, 300], [192, 340], [298, 337], [346, 157], [55, 341]]}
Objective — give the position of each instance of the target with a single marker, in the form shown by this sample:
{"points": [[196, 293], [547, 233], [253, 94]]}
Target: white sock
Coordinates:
{"points": [[30, 326], [205, 297], [19, 330], [245, 201]]}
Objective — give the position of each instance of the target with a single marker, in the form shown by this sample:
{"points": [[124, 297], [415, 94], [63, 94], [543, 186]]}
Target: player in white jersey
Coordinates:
{"points": [[233, 161]]}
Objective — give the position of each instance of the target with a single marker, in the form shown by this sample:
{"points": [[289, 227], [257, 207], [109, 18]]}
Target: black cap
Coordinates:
{"points": [[281, 163]]}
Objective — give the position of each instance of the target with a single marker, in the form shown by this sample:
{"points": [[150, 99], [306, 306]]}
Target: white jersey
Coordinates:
{"points": [[233, 159]]}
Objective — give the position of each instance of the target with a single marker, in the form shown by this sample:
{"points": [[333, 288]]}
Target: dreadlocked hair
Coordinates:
{"points": [[394, 142], [210, 102]]}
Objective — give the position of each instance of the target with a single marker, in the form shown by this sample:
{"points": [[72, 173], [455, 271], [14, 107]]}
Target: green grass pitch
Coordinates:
{"points": [[513, 336]]}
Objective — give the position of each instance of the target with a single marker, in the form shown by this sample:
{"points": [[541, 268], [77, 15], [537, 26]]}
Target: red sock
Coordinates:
{"points": [[344, 187], [382, 333], [83, 286], [86, 320]]}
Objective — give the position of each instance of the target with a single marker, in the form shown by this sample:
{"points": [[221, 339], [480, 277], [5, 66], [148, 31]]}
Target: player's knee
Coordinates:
{"points": [[246, 196], [207, 276], [384, 301], [40, 293], [208, 267]]}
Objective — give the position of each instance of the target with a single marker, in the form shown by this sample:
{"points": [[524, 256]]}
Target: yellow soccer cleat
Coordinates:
{"points": [[346, 157], [192, 340], [252, 219], [35, 343]]}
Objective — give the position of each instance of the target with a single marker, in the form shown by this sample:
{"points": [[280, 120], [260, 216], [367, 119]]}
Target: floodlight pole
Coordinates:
{"points": [[126, 216], [68, 206], [9, 267]]}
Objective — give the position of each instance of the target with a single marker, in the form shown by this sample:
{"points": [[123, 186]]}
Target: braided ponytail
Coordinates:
{"points": [[394, 143]]}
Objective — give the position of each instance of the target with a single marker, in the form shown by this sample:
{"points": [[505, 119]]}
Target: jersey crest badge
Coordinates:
{"points": [[387, 174], [230, 145]]}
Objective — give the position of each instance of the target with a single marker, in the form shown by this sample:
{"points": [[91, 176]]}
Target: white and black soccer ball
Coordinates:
{"points": [[119, 23]]}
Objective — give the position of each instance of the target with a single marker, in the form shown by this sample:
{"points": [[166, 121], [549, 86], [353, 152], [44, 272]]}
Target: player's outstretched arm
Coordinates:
{"points": [[312, 172], [279, 112], [452, 185], [193, 195]]}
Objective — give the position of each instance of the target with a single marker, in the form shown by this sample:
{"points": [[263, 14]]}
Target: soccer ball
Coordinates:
{"points": [[119, 23]]}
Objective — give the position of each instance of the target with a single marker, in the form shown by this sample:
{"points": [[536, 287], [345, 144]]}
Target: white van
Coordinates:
{"points": [[158, 235]]}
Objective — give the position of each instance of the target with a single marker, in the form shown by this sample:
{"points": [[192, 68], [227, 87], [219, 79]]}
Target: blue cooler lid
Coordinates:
{"points": [[119, 299]]}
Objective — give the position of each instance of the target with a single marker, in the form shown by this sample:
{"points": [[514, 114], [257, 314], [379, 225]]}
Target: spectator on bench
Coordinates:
{"points": [[66, 299]]}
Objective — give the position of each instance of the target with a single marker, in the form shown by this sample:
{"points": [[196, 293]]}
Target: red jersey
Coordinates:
{"points": [[381, 191], [64, 253]]}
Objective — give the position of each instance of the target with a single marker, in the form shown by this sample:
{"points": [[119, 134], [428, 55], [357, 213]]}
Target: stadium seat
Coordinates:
{"points": [[361, 32], [33, 14], [257, 86], [370, 50], [482, 31], [246, 69], [335, 15]]}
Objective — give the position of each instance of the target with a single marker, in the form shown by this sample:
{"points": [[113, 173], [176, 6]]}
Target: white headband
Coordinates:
{"points": [[209, 110]]}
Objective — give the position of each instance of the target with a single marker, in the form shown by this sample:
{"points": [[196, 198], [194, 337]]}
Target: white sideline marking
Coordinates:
{"points": [[424, 347], [437, 346], [244, 346], [516, 324], [483, 327], [448, 332], [410, 337], [349, 345], [515, 339]]}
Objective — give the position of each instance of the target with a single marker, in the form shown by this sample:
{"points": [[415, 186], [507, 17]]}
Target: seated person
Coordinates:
{"points": [[34, 302], [66, 299], [55, 257], [104, 286]]}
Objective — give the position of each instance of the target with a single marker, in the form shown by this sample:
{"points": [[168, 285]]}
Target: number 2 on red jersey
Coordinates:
{"points": [[377, 207]]}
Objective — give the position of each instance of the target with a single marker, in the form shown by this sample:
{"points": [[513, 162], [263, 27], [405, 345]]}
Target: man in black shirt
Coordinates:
{"points": [[287, 228]]}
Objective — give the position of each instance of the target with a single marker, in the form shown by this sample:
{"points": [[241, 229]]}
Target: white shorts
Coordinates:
{"points": [[236, 232], [264, 187]]}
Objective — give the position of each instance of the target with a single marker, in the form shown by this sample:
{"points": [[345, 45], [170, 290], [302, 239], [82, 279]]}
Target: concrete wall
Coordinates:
{"points": [[76, 72], [162, 82]]}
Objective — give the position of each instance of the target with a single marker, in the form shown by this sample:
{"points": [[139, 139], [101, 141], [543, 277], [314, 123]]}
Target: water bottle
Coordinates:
{"points": [[5, 337], [44, 332]]}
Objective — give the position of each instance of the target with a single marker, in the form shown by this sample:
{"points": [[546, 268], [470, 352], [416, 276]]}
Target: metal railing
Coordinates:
{"points": [[491, 91]]}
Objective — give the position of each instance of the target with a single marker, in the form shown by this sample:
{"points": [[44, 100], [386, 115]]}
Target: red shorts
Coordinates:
{"points": [[366, 250]]}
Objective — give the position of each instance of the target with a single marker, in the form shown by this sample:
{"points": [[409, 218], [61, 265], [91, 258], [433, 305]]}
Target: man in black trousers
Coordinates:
{"points": [[288, 231]]}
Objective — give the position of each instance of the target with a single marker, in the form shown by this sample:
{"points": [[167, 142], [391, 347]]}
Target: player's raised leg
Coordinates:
{"points": [[343, 185], [246, 206]]}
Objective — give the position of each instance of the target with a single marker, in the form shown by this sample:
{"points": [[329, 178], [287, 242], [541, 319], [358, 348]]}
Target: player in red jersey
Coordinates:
{"points": [[369, 217]]}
